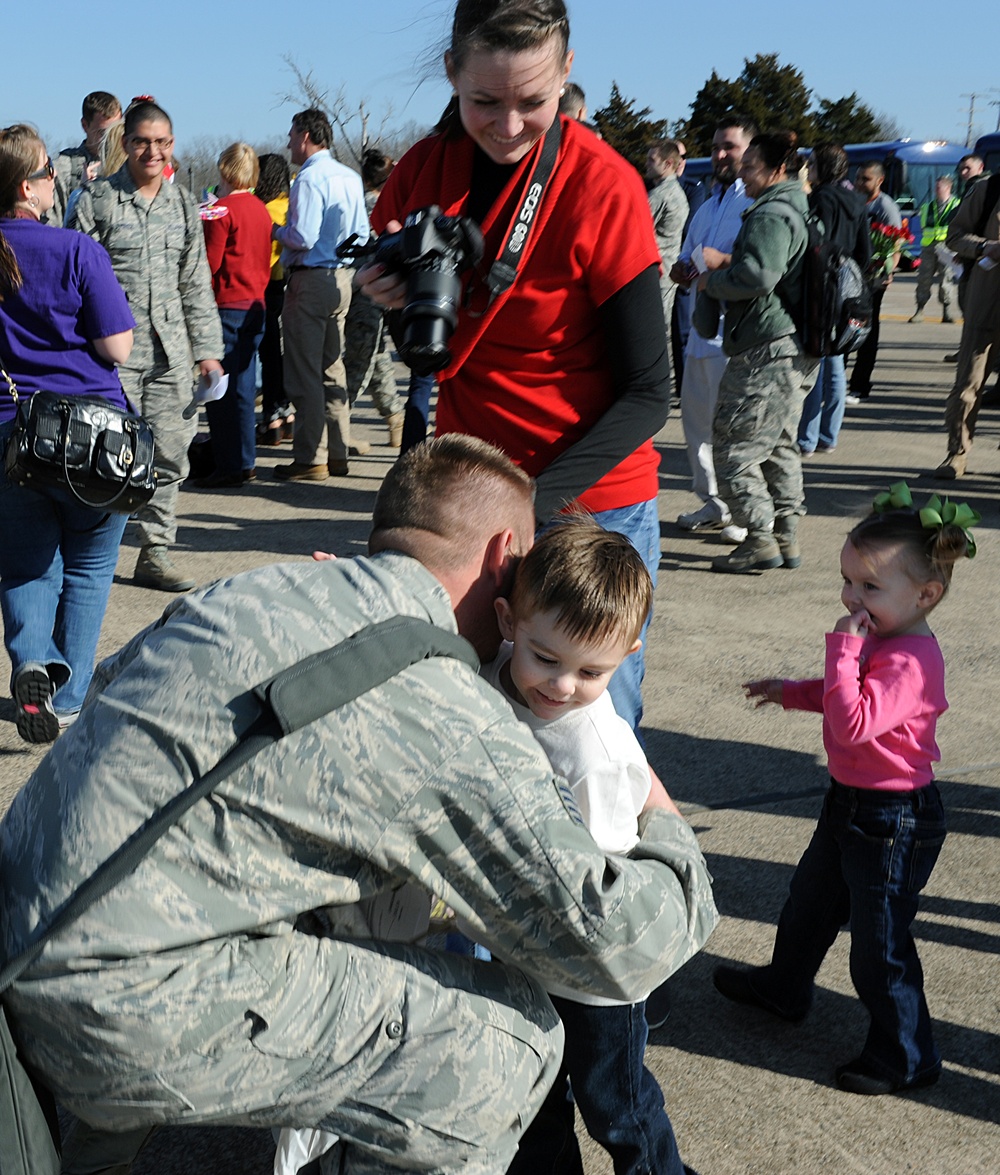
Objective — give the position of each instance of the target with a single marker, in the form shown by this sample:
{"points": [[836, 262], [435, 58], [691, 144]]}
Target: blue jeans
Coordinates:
{"points": [[619, 1099], [640, 524], [232, 420], [55, 577], [417, 413], [823, 410], [869, 858]]}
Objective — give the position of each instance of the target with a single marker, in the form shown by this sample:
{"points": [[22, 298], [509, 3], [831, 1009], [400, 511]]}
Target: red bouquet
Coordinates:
{"points": [[887, 240]]}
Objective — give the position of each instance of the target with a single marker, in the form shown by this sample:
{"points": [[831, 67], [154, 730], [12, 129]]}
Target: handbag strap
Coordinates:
{"points": [[308, 690]]}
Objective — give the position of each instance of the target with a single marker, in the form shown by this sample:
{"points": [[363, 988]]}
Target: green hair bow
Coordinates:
{"points": [[934, 515]]}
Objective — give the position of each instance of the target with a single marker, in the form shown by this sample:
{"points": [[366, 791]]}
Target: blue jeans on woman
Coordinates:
{"points": [[619, 1100], [869, 858], [232, 420], [56, 570], [640, 524], [823, 410]]}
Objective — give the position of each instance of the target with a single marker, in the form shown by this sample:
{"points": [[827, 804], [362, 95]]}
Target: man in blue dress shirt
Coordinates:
{"points": [[326, 205]]}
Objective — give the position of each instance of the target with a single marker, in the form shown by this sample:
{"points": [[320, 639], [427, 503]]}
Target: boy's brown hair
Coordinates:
{"points": [[593, 579]]}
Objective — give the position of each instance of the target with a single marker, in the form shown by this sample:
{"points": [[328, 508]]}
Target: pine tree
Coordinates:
{"points": [[629, 131]]}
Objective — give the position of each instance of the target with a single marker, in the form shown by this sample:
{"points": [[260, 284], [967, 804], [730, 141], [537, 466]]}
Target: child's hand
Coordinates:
{"points": [[856, 624], [770, 689]]}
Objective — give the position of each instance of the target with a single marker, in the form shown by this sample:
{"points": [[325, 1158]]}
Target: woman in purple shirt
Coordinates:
{"points": [[64, 324]]}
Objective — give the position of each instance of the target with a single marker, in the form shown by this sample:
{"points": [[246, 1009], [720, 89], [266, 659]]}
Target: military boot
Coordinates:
{"points": [[759, 551], [786, 534], [155, 569], [395, 423]]}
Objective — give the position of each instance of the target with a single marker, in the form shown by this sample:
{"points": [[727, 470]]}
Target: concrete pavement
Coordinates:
{"points": [[745, 1095]]}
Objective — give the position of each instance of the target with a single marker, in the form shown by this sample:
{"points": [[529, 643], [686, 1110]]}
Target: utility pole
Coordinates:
{"points": [[972, 116]]}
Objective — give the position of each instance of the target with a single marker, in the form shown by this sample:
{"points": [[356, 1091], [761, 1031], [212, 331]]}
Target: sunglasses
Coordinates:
{"points": [[43, 173]]}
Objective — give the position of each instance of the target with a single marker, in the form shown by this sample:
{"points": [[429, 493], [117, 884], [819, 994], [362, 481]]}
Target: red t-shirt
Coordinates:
{"points": [[239, 251], [533, 374]]}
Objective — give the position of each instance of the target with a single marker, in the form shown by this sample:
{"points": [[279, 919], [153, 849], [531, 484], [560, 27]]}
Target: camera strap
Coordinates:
{"points": [[503, 271]]}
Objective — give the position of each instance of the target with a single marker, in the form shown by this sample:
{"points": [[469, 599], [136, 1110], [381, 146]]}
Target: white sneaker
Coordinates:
{"points": [[707, 518], [733, 534]]}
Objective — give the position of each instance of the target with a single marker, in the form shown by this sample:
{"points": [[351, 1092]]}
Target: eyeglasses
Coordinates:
{"points": [[43, 173], [150, 144]]}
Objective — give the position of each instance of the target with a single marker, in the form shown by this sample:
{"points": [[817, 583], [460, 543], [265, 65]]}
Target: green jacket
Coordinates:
{"points": [[765, 276]]}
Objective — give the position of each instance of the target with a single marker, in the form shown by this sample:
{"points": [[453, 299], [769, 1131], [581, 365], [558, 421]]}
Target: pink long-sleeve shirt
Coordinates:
{"points": [[880, 701]]}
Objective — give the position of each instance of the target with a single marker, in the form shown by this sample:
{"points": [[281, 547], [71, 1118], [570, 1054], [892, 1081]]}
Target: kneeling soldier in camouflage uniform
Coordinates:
{"points": [[195, 992], [153, 233]]}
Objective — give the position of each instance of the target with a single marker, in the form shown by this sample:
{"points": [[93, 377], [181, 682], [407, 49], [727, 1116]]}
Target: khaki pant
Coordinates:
{"points": [[978, 349], [316, 304]]}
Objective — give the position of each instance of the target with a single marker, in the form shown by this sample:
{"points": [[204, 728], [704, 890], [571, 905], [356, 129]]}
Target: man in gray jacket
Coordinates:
{"points": [[199, 991]]}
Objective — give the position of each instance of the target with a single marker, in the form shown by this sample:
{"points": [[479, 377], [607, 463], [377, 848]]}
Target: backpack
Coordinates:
{"points": [[834, 316]]}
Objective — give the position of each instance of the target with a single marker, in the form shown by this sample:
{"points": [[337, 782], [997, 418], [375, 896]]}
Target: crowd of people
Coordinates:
{"points": [[253, 968]]}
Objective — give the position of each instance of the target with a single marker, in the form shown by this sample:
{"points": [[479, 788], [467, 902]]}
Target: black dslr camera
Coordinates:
{"points": [[431, 250]]}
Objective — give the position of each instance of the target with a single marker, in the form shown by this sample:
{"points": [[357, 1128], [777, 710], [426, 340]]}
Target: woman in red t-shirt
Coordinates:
{"points": [[238, 243], [567, 371]]}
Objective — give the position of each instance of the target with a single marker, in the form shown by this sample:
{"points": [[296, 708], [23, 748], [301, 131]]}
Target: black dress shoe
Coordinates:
{"points": [[737, 985], [221, 481], [858, 1076]]}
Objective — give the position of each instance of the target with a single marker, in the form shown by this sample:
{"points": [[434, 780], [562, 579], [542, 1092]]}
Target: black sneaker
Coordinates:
{"points": [[32, 689], [737, 985], [858, 1076]]}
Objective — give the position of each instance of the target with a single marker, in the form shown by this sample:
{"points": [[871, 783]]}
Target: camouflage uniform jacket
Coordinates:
{"points": [[427, 779], [669, 207], [157, 249], [70, 166]]}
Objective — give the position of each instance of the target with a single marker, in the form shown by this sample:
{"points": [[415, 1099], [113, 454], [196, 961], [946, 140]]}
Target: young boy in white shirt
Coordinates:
{"points": [[578, 603]]}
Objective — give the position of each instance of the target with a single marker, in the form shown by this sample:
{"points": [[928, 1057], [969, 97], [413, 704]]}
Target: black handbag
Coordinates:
{"points": [[101, 454]]}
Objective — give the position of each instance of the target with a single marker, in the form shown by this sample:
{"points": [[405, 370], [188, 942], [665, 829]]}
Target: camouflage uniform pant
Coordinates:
{"points": [[367, 357], [757, 460], [932, 268], [161, 394], [418, 1060]]}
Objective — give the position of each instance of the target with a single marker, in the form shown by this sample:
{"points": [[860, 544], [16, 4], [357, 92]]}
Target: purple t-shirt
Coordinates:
{"points": [[69, 296]]}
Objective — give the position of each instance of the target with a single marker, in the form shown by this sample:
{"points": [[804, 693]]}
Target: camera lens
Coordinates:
{"points": [[428, 319]]}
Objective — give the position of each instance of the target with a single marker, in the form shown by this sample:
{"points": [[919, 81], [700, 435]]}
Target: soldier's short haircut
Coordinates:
{"points": [[874, 167], [444, 495], [970, 158], [667, 150], [572, 101], [738, 119], [101, 104], [946, 178], [145, 110], [239, 167], [593, 579], [316, 125]]}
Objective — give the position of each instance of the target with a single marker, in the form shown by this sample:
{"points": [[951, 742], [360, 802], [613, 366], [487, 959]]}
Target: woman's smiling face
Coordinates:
{"points": [[508, 101]]}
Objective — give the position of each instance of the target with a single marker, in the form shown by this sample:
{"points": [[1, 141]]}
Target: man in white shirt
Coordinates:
{"points": [[713, 230]]}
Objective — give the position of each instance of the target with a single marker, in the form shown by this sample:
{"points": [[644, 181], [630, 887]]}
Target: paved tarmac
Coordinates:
{"points": [[746, 1095]]}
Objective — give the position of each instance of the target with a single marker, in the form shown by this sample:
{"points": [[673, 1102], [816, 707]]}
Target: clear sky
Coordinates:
{"points": [[216, 65]]}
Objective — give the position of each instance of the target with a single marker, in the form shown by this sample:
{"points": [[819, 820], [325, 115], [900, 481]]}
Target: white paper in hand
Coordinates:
{"points": [[210, 387]]}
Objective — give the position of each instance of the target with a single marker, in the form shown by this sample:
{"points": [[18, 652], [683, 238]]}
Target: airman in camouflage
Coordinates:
{"points": [[75, 165], [153, 233], [196, 991]]}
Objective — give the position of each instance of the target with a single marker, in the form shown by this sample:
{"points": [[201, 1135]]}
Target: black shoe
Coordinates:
{"points": [[33, 689], [858, 1076], [737, 985], [658, 1006], [220, 481]]}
